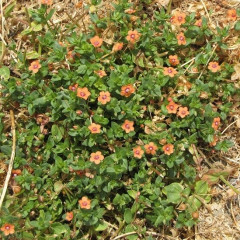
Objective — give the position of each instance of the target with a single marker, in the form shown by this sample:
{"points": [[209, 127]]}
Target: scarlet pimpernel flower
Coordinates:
{"points": [[216, 123], [178, 18], [168, 149], [94, 128], [96, 41], [127, 90], [133, 36], [35, 66], [7, 229], [181, 39], [85, 203], [96, 157], [214, 66], [150, 148], [172, 107], [183, 112], [83, 93], [104, 97], [69, 216], [138, 152], [173, 60], [128, 126], [169, 71]]}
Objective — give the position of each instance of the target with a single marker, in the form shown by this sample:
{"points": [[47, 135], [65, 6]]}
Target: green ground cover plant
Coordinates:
{"points": [[109, 127]]}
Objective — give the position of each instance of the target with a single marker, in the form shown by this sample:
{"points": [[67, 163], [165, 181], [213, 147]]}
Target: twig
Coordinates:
{"points": [[11, 159], [228, 126], [214, 49], [206, 10], [124, 235], [229, 184]]}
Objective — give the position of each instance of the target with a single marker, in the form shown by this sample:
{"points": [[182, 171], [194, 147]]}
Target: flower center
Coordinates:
{"points": [[170, 70], [96, 157], [150, 148], [171, 107], [127, 90], [94, 129], [180, 18], [104, 97], [181, 38], [7, 227], [183, 112], [127, 126], [137, 152], [132, 36], [82, 94], [35, 66], [84, 203], [216, 123], [96, 43], [214, 65], [167, 148]]}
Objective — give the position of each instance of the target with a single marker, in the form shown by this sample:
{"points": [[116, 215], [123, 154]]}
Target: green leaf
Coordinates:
{"points": [[173, 192], [201, 187], [36, 27], [57, 132], [58, 186], [5, 72], [27, 236], [101, 226], [58, 228], [128, 215], [32, 55], [237, 26], [49, 16], [9, 9]]}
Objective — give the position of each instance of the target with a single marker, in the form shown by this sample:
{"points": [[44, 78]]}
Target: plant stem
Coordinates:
{"points": [[229, 184]]}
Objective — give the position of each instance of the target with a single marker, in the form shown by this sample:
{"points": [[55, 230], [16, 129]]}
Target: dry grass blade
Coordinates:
{"points": [[11, 159]]}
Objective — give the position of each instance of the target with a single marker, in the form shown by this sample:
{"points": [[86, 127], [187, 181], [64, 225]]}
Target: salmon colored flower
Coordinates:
{"points": [[214, 142], [35, 66], [79, 112], [216, 123], [69, 216], [16, 172], [169, 71], [172, 107], [73, 87], [79, 4], [7, 229], [133, 36], [178, 18], [101, 73], [83, 93], [70, 56], [104, 97], [214, 67], [173, 60], [183, 112], [130, 11], [94, 128], [117, 47], [181, 39], [96, 41], [128, 126], [198, 23], [85, 203], [134, 18], [232, 14], [150, 148], [47, 2], [127, 90], [138, 152], [96, 157], [194, 70], [168, 149]]}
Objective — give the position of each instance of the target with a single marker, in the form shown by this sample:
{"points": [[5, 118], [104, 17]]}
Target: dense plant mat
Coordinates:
{"points": [[113, 120]]}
